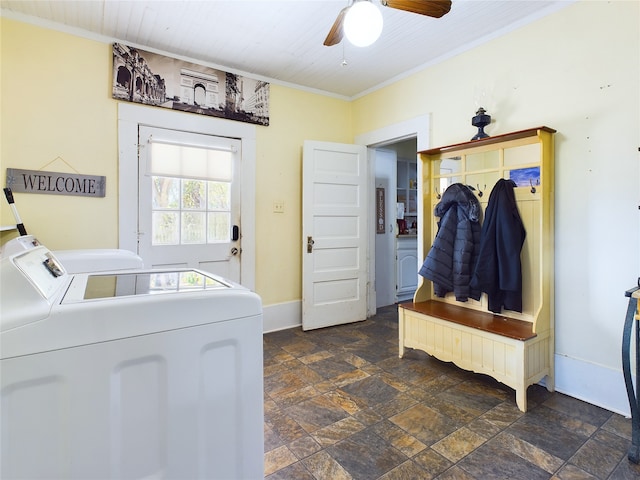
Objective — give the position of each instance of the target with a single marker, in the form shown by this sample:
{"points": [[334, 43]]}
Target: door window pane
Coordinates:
{"points": [[190, 211], [193, 227], [219, 227], [193, 194], [165, 228], [219, 196], [166, 193]]}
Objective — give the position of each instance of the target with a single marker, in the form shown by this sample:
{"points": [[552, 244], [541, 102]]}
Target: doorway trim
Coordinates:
{"points": [[418, 127], [129, 117]]}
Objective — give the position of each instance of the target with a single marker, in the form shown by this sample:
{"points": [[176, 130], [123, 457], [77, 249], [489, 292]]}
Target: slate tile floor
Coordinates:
{"points": [[340, 404]]}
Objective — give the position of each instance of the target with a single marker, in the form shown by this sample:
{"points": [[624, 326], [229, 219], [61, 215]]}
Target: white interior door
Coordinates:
{"points": [[335, 236], [385, 170], [189, 201]]}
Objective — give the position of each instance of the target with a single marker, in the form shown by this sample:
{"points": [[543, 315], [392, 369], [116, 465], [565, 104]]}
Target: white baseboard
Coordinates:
{"points": [[281, 316], [595, 384]]}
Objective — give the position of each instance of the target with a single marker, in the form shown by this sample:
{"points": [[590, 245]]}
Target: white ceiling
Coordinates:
{"points": [[281, 40]]}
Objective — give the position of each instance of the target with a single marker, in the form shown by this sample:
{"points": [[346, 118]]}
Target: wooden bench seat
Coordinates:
{"points": [[488, 322], [504, 348]]}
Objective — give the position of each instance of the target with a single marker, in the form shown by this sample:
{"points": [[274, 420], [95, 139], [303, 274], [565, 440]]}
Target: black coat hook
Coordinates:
{"points": [[438, 196], [480, 192], [533, 189]]}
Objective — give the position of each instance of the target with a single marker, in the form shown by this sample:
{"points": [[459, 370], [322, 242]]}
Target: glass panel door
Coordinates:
{"points": [[189, 201]]}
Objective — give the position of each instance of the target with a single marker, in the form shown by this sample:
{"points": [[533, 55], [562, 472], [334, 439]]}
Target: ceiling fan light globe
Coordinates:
{"points": [[363, 24]]}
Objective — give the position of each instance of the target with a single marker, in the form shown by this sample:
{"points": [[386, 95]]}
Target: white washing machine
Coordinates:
{"points": [[134, 374]]}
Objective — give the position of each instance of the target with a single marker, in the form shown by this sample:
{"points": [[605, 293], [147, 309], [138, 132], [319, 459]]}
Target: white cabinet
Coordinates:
{"points": [[407, 188], [407, 267]]}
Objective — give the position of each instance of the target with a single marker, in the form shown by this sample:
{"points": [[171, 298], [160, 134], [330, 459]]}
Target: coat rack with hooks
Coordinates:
{"points": [[514, 347]]}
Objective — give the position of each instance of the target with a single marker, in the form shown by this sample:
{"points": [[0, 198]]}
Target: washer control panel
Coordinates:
{"points": [[42, 269]]}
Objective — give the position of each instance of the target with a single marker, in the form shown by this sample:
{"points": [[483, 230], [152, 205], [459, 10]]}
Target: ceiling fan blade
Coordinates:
{"points": [[430, 8], [336, 33]]}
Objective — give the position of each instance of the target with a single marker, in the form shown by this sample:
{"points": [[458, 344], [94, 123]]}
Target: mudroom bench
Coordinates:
{"points": [[515, 348], [504, 348]]}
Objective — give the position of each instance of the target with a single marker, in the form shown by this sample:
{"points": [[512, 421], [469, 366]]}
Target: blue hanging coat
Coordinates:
{"points": [[498, 271]]}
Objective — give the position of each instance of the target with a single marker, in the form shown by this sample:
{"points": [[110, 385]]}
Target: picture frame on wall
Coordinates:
{"points": [[145, 77], [525, 177], [380, 210]]}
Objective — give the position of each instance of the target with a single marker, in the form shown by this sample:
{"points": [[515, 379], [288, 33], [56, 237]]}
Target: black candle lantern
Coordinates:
{"points": [[481, 120]]}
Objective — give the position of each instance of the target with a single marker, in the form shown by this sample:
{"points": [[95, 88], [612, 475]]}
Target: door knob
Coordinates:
{"points": [[310, 243], [234, 251]]}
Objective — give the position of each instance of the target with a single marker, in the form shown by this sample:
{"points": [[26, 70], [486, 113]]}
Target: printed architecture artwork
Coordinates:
{"points": [[144, 77]]}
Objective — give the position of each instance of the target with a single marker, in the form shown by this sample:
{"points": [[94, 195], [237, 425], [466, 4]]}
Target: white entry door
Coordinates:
{"points": [[189, 201], [335, 238]]}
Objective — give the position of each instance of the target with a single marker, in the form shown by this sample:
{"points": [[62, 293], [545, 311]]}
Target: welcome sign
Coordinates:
{"points": [[55, 183]]}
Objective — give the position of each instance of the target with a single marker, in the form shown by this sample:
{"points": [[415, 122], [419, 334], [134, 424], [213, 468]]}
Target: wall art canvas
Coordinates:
{"points": [[143, 77], [525, 177]]}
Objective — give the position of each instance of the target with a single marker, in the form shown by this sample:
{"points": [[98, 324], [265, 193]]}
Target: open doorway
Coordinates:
{"points": [[417, 128], [396, 247]]}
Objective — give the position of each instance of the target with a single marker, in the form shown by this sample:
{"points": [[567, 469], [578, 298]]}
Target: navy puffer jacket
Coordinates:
{"points": [[453, 254]]}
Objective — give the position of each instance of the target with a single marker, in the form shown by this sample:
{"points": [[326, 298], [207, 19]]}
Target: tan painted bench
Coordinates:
{"points": [[515, 348], [504, 348]]}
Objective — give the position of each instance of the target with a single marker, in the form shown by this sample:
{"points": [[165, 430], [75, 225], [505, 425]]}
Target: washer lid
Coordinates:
{"points": [[113, 285], [98, 260]]}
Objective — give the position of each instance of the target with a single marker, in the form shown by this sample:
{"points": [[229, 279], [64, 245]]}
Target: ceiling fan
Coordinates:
{"points": [[429, 8]]}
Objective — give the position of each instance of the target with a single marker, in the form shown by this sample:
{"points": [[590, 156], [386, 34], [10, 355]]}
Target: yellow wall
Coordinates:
{"points": [[578, 71], [295, 116], [58, 115], [573, 68]]}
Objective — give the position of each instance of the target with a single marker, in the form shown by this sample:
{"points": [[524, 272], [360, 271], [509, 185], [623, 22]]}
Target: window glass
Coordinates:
{"points": [[165, 228], [190, 211], [219, 197], [191, 194], [219, 226], [193, 227], [166, 193]]}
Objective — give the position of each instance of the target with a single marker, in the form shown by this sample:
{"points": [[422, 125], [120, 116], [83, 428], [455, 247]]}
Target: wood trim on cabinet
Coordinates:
{"points": [[488, 140]]}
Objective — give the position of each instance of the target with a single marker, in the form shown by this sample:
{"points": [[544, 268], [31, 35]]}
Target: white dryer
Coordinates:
{"points": [[127, 374]]}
